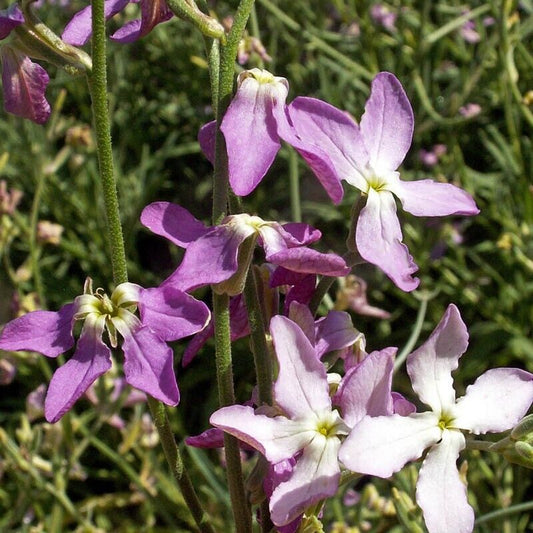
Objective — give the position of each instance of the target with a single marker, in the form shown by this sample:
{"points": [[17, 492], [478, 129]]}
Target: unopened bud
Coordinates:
{"points": [[406, 511]]}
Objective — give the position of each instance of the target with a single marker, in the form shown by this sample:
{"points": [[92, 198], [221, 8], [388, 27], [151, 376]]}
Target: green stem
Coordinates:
{"points": [[34, 248], [294, 180], [98, 89], [175, 462], [504, 513], [263, 363]]}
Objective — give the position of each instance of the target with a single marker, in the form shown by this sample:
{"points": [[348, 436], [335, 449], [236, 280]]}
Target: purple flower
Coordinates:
{"points": [[470, 110], [253, 126], [78, 30], [431, 157], [166, 314], [367, 156], [24, 82], [382, 445], [308, 428], [383, 16], [220, 255]]}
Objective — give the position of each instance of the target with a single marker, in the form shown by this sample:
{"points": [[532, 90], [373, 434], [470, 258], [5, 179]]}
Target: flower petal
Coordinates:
{"points": [[330, 137], [301, 387], [212, 258], [78, 31], [430, 367], [440, 492], [149, 365], [46, 332], [249, 129], [387, 123], [382, 445], [428, 198], [10, 18], [379, 240], [302, 233], [172, 314], [276, 438], [172, 222], [206, 139], [366, 388], [91, 359], [309, 261], [24, 84], [497, 400], [334, 332], [314, 478]]}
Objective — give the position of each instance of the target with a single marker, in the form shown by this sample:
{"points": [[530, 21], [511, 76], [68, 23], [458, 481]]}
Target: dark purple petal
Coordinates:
{"points": [[24, 85], [78, 31], [310, 261], [172, 314], [250, 131], [46, 332], [206, 139], [210, 438], [334, 332], [172, 222], [10, 18], [91, 359], [154, 12], [149, 365], [402, 406], [302, 233], [387, 123]]}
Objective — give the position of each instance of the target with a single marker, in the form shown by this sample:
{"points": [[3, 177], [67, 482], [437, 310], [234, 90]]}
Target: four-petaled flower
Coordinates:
{"points": [[382, 445], [166, 314], [367, 156], [220, 255], [24, 82], [307, 427]]}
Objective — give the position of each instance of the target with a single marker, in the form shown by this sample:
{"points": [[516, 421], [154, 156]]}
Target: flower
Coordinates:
{"points": [[383, 16], [307, 427], [78, 30], [495, 402], [166, 314], [253, 125], [367, 156], [220, 255], [24, 82]]}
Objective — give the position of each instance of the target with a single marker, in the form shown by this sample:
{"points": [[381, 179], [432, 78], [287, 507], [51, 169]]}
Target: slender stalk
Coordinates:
{"points": [[34, 248], [175, 461], [294, 180], [98, 90], [504, 513]]}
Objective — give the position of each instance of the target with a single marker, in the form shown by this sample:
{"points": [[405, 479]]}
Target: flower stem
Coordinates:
{"points": [[98, 89], [175, 461]]}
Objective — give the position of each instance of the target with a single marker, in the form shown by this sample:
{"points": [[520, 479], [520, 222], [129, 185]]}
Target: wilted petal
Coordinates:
{"points": [[440, 492], [430, 367], [91, 359], [379, 240], [387, 123], [366, 388], [149, 365], [301, 387], [210, 438], [24, 84], [173, 222], [497, 400], [10, 18], [78, 31], [382, 445], [171, 313], [315, 477], [249, 128], [46, 332], [428, 198], [276, 438], [329, 140]]}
